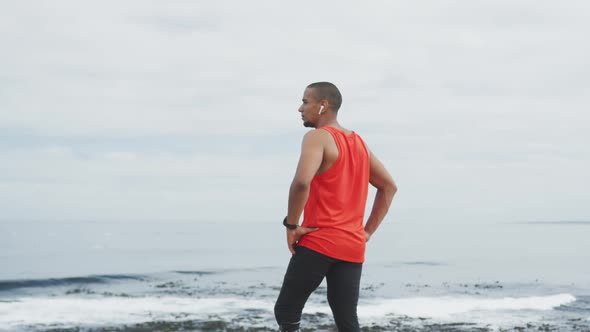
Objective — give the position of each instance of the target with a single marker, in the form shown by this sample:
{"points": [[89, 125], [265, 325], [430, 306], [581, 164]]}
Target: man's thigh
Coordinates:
{"points": [[343, 280], [306, 270]]}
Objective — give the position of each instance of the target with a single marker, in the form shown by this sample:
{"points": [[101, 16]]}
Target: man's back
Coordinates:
{"points": [[330, 153], [337, 198]]}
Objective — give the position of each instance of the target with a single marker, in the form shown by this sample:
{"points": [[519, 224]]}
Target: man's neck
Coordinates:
{"points": [[328, 122]]}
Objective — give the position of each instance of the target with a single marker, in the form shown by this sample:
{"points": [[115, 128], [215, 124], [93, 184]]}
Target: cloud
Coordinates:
{"points": [[115, 104]]}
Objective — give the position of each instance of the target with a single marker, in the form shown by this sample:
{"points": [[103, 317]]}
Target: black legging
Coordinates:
{"points": [[306, 271]]}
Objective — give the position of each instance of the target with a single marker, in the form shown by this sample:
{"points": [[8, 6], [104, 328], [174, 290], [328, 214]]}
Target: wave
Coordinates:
{"points": [[447, 307], [226, 270], [565, 222], [424, 263], [197, 273], [8, 285], [75, 311]]}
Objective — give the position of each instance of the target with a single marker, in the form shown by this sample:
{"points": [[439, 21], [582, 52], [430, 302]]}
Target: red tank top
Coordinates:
{"points": [[336, 202]]}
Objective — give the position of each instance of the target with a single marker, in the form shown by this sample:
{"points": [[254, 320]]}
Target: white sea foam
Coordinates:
{"points": [[446, 307], [496, 312], [97, 311], [119, 310]]}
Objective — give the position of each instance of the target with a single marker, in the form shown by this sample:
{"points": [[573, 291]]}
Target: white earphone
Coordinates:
{"points": [[321, 109]]}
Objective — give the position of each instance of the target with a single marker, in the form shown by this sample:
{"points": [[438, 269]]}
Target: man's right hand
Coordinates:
{"points": [[293, 236]]}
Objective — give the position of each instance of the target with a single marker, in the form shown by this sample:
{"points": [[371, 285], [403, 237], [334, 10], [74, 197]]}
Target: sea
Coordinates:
{"points": [[426, 275]]}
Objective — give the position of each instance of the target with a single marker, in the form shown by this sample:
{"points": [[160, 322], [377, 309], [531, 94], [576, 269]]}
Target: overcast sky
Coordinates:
{"points": [[187, 110]]}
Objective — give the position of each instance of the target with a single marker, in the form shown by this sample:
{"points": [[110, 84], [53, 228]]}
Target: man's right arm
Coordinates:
{"points": [[386, 189]]}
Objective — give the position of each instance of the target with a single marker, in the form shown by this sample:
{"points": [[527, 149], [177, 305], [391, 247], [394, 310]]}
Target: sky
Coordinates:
{"points": [[187, 110]]}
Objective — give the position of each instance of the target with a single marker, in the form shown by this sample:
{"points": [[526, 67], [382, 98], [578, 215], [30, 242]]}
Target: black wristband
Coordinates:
{"points": [[289, 226]]}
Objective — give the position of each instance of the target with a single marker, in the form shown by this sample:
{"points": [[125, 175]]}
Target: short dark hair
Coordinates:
{"points": [[329, 92]]}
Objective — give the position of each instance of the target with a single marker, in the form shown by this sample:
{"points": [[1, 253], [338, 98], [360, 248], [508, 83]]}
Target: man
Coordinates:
{"points": [[330, 188]]}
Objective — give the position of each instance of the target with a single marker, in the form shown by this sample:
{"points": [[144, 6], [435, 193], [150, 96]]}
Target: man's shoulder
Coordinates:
{"points": [[317, 137], [316, 134]]}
